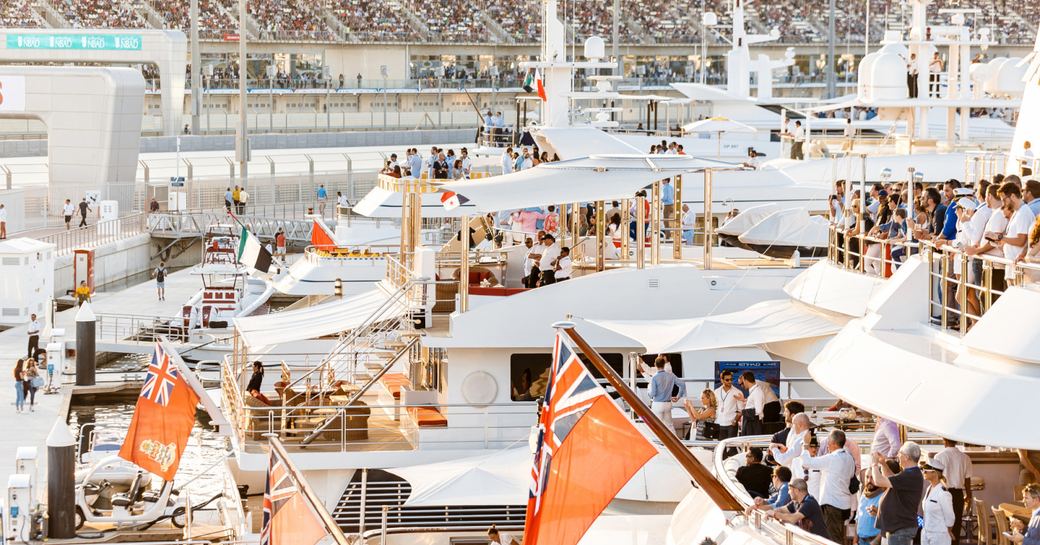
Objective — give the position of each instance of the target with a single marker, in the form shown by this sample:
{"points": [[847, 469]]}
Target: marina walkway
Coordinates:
{"points": [[31, 429]]}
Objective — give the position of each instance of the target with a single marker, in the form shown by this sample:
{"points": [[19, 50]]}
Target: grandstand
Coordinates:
{"points": [[1013, 22]]}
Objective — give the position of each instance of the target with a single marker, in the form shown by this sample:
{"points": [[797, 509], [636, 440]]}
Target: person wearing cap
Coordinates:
{"points": [[951, 191], [803, 509], [937, 506]]}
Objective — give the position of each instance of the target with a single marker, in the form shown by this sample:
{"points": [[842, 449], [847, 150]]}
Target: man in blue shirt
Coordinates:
{"points": [[662, 387], [668, 200], [866, 513], [1031, 194], [323, 198], [1028, 534]]}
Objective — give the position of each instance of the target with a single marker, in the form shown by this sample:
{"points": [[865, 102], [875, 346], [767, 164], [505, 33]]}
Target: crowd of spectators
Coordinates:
{"points": [[100, 14], [368, 21], [642, 21], [17, 14], [997, 219], [291, 19], [214, 22]]}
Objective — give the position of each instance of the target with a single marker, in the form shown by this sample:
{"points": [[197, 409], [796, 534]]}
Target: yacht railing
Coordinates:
{"points": [[374, 423], [983, 165], [99, 233], [961, 287], [847, 251]]}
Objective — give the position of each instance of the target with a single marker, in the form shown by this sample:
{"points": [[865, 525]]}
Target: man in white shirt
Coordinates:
{"points": [[34, 335], [68, 210], [993, 230], [798, 134], [687, 225], [564, 268], [1016, 236], [836, 471], [755, 412], [789, 454], [531, 264], [957, 473], [729, 401], [547, 264], [507, 161], [467, 164], [342, 201]]}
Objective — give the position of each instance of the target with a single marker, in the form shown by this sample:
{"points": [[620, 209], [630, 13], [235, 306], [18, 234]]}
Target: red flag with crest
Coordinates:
{"points": [[587, 450], [163, 418]]}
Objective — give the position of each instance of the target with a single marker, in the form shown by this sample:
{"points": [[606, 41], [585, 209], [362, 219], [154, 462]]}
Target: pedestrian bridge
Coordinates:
{"points": [[261, 222]]}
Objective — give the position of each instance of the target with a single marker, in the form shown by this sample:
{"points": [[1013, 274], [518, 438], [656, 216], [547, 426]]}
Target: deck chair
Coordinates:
{"points": [[1002, 526], [985, 528]]}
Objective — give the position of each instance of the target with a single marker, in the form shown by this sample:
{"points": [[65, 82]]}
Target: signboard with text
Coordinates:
{"points": [[12, 94], [768, 371], [75, 42]]}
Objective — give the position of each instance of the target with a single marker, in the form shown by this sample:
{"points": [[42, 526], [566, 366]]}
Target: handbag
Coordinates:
{"points": [[711, 430], [37, 382]]}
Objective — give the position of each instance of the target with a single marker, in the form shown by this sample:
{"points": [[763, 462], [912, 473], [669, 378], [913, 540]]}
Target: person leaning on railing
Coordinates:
{"points": [[994, 222], [1013, 243]]}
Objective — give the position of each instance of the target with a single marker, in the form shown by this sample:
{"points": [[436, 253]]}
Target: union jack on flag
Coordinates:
{"points": [[570, 392], [161, 378], [278, 489]]}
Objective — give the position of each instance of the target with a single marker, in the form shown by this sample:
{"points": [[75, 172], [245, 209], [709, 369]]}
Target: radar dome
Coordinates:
{"points": [[887, 77], [1008, 79], [595, 48]]}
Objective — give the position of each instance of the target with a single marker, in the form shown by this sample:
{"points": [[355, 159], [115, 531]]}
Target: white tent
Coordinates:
{"points": [[747, 219], [319, 320], [765, 322], [500, 478], [792, 227], [589, 179]]}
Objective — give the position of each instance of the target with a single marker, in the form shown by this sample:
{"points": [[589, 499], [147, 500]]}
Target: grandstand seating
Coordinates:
{"points": [[451, 21]]}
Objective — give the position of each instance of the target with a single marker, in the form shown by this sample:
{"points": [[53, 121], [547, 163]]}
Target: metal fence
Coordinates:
{"points": [[99, 233]]}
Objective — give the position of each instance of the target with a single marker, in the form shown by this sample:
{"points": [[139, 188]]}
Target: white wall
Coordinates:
{"points": [[113, 261]]}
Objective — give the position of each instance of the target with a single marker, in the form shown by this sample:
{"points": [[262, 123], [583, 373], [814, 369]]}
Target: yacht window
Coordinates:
{"points": [[528, 373]]}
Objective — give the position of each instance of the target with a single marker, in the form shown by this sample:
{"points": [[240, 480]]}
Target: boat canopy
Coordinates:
{"points": [[319, 320], [766, 322], [792, 227], [500, 478], [589, 179]]}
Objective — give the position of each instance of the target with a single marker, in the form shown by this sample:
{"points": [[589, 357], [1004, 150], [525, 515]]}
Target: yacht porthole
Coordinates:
{"points": [[479, 388]]}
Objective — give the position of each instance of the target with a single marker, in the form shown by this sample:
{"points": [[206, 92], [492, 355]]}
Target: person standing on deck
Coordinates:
{"points": [[34, 336], [159, 274]]}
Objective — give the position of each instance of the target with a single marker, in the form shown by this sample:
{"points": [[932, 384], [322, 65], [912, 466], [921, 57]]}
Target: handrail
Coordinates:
{"points": [[948, 268], [357, 395], [349, 340], [93, 235]]}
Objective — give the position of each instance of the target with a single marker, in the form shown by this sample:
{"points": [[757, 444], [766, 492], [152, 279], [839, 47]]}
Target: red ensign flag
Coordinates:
{"points": [[163, 419], [587, 451], [320, 236]]}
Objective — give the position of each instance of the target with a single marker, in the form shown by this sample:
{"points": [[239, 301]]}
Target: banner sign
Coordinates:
{"points": [[768, 371]]}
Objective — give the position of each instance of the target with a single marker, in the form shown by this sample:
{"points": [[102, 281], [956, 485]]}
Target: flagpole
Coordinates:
{"points": [[700, 474], [316, 504]]}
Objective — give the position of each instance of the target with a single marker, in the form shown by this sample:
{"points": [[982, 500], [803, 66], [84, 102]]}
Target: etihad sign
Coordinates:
{"points": [[12, 94]]}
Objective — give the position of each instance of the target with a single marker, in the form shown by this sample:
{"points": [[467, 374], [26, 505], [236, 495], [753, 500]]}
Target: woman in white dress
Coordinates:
{"points": [[937, 506]]}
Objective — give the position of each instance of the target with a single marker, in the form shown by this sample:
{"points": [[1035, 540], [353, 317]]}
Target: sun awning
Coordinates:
{"points": [[383, 203], [319, 320], [589, 179], [501, 478], [765, 322]]}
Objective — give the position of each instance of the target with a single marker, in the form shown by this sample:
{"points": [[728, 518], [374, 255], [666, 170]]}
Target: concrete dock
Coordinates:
{"points": [[31, 428]]}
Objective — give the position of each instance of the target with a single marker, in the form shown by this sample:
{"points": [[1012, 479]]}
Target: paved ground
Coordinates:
{"points": [[32, 428]]}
